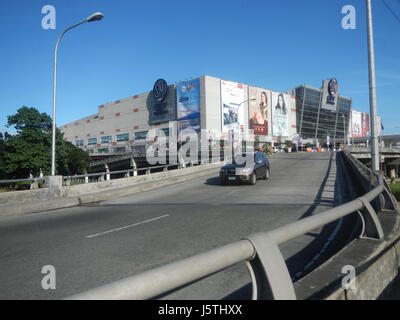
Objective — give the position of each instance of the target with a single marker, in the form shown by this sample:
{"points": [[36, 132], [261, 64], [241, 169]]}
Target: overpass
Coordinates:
{"points": [[389, 158], [389, 138], [103, 241]]}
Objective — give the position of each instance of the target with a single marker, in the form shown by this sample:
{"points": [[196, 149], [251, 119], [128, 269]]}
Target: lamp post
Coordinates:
{"points": [[327, 138], [344, 128], [94, 17], [248, 100], [372, 92]]}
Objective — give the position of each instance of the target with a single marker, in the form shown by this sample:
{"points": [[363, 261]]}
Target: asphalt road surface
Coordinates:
{"points": [[94, 245]]}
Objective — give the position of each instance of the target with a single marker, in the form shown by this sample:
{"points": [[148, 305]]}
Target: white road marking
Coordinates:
{"points": [[125, 227]]}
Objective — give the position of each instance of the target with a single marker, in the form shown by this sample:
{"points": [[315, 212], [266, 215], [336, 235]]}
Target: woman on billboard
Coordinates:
{"points": [[259, 122], [280, 108], [280, 117]]}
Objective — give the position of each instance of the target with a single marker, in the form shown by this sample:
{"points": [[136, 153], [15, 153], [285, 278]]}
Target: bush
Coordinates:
{"points": [[395, 188], [289, 143]]}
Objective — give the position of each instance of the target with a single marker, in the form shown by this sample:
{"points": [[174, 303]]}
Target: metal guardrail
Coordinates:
{"points": [[269, 273], [21, 180], [106, 175]]}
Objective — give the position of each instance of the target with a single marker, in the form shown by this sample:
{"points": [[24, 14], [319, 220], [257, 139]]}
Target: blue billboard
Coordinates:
{"points": [[188, 105]]}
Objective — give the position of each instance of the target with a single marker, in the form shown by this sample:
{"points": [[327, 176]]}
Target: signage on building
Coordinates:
{"points": [[280, 114], [159, 109], [330, 94], [160, 91], [232, 100], [356, 124], [188, 105], [259, 110]]}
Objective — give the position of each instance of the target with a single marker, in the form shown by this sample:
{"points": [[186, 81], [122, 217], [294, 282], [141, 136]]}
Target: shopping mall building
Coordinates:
{"points": [[303, 114]]}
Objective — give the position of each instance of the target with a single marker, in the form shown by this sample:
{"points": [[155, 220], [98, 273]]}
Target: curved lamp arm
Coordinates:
{"points": [[94, 17]]}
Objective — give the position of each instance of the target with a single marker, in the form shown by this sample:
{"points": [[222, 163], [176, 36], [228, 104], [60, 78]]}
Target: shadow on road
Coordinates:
{"points": [[327, 242]]}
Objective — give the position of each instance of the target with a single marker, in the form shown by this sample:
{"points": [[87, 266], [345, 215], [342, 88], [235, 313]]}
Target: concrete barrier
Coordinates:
{"points": [[376, 278], [31, 201], [376, 263]]}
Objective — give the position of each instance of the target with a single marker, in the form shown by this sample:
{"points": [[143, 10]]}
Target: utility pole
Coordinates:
{"points": [[372, 92]]}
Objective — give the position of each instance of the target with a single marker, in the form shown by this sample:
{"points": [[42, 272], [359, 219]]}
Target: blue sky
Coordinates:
{"points": [[272, 44]]}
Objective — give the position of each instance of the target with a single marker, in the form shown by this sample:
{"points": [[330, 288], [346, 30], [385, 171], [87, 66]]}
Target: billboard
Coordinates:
{"points": [[259, 110], [232, 97], [356, 123], [188, 105], [280, 114], [365, 124], [330, 94]]}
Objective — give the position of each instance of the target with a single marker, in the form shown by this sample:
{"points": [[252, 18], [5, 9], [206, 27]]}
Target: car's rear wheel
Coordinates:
{"points": [[253, 179], [266, 174]]}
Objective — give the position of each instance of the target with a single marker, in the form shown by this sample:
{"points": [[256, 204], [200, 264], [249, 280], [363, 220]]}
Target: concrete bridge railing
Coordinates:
{"points": [[269, 273]]}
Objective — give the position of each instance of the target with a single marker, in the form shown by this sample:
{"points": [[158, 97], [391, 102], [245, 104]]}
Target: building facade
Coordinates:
{"points": [[206, 103], [318, 123], [303, 114]]}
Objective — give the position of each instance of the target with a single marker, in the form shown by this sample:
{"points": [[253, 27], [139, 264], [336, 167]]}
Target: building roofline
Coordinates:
{"points": [[318, 89]]}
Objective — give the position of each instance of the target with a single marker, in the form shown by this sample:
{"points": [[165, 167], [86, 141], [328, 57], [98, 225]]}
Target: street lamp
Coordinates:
{"points": [[94, 17], [245, 102], [372, 91], [344, 128], [231, 131], [327, 139]]}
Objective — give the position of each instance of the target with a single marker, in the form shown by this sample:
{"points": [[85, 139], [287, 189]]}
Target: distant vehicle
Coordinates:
{"points": [[249, 174]]}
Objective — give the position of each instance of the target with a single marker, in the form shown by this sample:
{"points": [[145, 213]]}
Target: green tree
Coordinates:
{"points": [[289, 143], [29, 151]]}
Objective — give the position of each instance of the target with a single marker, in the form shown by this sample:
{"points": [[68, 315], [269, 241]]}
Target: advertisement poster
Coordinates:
{"points": [[356, 123], [232, 97], [365, 124], [188, 105], [259, 110], [280, 114]]}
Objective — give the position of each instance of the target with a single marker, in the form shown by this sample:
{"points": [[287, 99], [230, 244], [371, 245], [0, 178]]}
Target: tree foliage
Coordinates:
{"points": [[29, 151]]}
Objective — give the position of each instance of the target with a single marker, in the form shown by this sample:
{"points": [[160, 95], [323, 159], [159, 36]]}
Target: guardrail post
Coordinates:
{"points": [[269, 274], [372, 227], [107, 172], [68, 181], [181, 161], [148, 171], [390, 202], [34, 185], [165, 168], [86, 178], [133, 167]]}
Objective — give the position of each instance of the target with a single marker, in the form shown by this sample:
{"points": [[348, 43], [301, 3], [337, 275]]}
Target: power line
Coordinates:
{"points": [[392, 12]]}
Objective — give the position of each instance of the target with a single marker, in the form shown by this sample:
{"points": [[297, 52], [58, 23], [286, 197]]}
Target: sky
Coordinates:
{"points": [[276, 45]]}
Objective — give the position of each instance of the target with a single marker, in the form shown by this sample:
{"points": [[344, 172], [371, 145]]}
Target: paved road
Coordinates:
{"points": [[91, 246]]}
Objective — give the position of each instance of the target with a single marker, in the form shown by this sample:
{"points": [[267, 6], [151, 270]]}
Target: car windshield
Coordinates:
{"points": [[240, 159]]}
